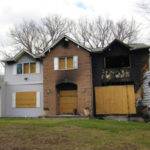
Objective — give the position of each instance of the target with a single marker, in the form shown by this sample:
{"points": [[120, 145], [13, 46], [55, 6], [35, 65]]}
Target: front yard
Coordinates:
{"points": [[73, 134]]}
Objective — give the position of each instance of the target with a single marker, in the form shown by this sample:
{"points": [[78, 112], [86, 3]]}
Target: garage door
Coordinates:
{"points": [[115, 99], [68, 101]]}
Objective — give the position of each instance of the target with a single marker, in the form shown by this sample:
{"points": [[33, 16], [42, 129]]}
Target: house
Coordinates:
{"points": [[69, 78], [117, 77], [23, 86], [1, 91]]}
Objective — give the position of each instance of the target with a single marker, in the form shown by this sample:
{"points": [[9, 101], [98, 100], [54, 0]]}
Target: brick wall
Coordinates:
{"points": [[81, 76]]}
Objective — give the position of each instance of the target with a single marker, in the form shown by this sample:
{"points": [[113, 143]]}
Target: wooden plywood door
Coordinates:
{"points": [[115, 99], [68, 101]]}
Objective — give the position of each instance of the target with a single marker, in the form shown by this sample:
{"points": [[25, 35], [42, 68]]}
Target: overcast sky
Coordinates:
{"points": [[14, 11]]}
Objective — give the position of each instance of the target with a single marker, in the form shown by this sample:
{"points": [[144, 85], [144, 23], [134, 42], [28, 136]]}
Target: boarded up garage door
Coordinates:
{"points": [[68, 101], [115, 99]]}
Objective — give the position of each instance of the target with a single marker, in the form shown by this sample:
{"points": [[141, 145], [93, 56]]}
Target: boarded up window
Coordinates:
{"points": [[25, 99], [115, 99], [70, 63], [32, 67], [26, 68], [61, 63]]}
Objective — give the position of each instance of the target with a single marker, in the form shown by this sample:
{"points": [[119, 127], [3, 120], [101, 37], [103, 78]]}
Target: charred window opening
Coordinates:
{"points": [[65, 44], [117, 62]]}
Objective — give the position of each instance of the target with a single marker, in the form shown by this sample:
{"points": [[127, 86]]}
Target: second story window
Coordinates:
{"points": [[66, 63], [26, 68], [19, 68], [117, 62]]}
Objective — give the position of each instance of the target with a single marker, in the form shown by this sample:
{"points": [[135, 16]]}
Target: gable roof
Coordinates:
{"points": [[116, 41], [135, 46], [69, 39], [19, 54], [131, 47]]}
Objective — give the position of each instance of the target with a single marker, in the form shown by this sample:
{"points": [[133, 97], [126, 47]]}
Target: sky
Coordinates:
{"points": [[14, 11]]}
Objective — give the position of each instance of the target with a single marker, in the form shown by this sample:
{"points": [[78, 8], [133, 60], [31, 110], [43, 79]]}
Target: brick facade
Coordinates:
{"points": [[82, 77]]}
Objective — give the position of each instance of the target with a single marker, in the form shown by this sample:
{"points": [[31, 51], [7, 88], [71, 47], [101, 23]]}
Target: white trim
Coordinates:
{"points": [[37, 67], [14, 69], [13, 100], [75, 62], [66, 62], [26, 83], [56, 63], [22, 63], [37, 99]]}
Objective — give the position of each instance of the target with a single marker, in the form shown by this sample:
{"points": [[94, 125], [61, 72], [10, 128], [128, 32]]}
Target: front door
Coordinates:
{"points": [[68, 101]]}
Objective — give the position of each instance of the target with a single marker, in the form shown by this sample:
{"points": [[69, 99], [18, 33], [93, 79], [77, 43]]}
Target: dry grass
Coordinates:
{"points": [[73, 134]]}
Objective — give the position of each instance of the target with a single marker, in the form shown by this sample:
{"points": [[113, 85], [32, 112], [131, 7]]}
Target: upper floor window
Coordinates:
{"points": [[65, 63], [26, 68], [117, 62]]}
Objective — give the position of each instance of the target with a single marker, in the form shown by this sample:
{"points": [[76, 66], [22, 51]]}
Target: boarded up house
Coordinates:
{"points": [[117, 77], [67, 74], [68, 79]]}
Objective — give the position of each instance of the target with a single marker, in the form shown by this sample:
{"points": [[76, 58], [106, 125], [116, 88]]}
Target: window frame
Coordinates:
{"points": [[117, 67], [17, 69], [66, 68], [37, 100], [22, 63]]}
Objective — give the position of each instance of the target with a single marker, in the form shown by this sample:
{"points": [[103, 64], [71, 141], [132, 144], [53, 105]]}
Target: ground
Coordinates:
{"points": [[73, 134]]}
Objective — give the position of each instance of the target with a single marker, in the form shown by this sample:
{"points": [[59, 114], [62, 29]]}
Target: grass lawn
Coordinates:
{"points": [[73, 134]]}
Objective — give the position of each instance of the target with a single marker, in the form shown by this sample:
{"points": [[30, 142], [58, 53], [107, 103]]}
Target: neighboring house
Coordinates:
{"points": [[68, 78], [67, 74], [118, 76], [1, 91], [24, 86]]}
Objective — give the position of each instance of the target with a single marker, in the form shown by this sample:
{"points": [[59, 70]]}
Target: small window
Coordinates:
{"points": [[62, 63], [26, 68], [70, 63], [32, 67], [117, 62], [65, 63], [19, 68]]}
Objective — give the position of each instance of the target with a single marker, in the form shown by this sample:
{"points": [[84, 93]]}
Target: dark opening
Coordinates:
{"points": [[117, 62], [64, 43], [67, 86]]}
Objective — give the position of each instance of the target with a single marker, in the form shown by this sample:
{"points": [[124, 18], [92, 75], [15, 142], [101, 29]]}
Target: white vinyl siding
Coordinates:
{"points": [[14, 69]]}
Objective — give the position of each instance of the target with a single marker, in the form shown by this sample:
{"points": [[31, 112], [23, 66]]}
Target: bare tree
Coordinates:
{"points": [[99, 32], [36, 37], [126, 31]]}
